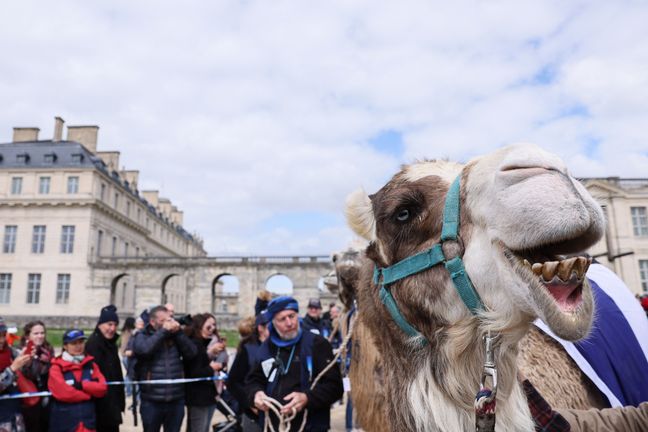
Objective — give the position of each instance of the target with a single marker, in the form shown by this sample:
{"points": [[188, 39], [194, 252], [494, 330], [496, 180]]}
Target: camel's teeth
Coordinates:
{"points": [[565, 268], [549, 269], [526, 263], [537, 269]]}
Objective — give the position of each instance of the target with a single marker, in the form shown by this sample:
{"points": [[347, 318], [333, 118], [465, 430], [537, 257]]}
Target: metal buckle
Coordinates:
{"points": [[490, 369]]}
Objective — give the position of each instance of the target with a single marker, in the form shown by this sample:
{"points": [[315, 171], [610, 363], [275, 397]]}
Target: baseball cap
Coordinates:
{"points": [[315, 303], [72, 335]]}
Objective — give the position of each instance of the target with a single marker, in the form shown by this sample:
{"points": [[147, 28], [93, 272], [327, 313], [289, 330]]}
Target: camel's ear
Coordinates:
{"points": [[359, 214]]}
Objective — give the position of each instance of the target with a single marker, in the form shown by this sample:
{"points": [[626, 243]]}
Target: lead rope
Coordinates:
{"points": [[486, 398], [276, 407]]}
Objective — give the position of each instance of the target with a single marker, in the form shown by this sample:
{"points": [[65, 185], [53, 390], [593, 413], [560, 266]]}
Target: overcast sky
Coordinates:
{"points": [[257, 118]]}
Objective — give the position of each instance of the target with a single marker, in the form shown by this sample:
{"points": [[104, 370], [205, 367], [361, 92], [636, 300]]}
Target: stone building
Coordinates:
{"points": [[63, 205], [624, 248]]}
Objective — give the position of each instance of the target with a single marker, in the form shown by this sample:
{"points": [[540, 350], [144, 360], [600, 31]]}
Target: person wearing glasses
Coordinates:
{"points": [[75, 381], [201, 395]]}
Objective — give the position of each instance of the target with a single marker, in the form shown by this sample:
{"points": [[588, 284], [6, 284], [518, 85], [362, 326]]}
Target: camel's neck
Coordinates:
{"points": [[442, 389]]}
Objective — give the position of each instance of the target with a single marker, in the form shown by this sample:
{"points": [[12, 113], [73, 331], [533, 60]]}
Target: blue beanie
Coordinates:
{"points": [[281, 304]]}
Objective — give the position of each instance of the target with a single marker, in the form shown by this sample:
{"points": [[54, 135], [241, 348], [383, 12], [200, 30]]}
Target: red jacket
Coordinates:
{"points": [[65, 392]]}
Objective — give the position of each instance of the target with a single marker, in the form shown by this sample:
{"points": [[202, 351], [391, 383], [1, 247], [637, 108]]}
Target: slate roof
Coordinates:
{"points": [[70, 154]]}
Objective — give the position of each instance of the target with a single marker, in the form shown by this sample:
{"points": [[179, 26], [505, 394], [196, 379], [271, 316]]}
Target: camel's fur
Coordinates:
{"points": [[555, 375], [432, 388]]}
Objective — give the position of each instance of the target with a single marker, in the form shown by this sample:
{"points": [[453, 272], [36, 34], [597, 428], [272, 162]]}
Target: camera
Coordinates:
{"points": [[184, 320]]}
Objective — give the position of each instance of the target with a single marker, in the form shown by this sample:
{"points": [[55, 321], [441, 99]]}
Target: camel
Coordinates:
{"points": [[520, 215]]}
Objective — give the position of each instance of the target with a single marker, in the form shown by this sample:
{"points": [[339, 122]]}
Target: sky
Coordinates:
{"points": [[258, 118]]}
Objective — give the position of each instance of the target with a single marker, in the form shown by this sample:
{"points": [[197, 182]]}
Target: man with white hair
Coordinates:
{"points": [[288, 363]]}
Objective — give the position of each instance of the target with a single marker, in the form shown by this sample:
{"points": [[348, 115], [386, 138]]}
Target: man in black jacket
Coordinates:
{"points": [[313, 321], [288, 362], [160, 350], [102, 345]]}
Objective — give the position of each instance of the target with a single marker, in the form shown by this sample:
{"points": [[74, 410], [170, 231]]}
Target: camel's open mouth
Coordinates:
{"points": [[561, 276]]}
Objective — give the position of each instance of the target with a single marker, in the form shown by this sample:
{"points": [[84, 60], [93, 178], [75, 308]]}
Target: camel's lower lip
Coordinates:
{"points": [[568, 296]]}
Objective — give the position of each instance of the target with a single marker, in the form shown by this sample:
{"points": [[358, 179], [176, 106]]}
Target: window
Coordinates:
{"points": [[33, 288], [639, 221], [67, 239], [137, 251], [77, 158], [38, 239], [5, 288], [63, 288], [99, 240], [9, 245], [44, 185], [126, 249], [50, 158], [128, 208], [16, 185], [114, 246], [73, 185], [116, 202], [643, 274], [139, 215], [102, 194]]}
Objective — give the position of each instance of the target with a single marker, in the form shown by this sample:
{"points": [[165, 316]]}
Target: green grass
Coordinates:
{"points": [[55, 336]]}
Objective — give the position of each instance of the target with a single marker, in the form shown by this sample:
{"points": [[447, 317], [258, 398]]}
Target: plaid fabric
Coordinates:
{"points": [[546, 419]]}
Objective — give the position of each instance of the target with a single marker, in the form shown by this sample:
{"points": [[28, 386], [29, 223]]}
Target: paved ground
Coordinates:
{"points": [[337, 420]]}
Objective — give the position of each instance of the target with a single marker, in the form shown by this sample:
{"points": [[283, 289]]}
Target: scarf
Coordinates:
{"points": [[282, 343], [72, 359]]}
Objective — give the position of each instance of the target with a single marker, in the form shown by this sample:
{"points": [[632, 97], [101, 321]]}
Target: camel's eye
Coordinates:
{"points": [[403, 215]]}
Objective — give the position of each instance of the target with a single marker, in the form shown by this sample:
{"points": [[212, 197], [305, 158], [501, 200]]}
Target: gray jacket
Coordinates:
{"points": [[160, 355]]}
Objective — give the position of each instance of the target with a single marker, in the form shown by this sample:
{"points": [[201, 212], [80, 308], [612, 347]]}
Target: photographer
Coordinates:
{"points": [[160, 350]]}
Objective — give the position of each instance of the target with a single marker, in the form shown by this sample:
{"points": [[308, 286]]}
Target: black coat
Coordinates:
{"points": [[202, 393], [160, 355], [109, 408]]}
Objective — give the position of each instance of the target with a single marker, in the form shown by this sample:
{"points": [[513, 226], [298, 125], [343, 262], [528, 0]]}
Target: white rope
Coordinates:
{"points": [[276, 407]]}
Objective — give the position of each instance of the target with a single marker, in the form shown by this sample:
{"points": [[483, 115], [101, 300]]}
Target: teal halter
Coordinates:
{"points": [[427, 259]]}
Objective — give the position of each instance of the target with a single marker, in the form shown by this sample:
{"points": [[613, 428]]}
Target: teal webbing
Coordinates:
{"points": [[427, 259]]}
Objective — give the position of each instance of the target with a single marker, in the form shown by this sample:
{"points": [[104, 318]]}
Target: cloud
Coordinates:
{"points": [[247, 114]]}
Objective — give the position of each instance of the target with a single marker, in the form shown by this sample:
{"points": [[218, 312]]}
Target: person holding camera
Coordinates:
{"points": [[160, 349]]}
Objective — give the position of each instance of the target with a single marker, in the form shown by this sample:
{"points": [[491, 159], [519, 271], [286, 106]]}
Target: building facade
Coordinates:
{"points": [[63, 206], [624, 248]]}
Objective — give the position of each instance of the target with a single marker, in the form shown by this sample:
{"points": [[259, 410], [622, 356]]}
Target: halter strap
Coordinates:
{"points": [[384, 277]]}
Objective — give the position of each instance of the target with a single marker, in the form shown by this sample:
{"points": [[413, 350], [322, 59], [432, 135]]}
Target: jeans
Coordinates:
{"points": [[199, 418], [127, 380], [158, 414]]}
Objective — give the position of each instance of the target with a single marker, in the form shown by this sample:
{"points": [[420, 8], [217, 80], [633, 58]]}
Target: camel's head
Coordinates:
{"points": [[347, 267], [524, 220]]}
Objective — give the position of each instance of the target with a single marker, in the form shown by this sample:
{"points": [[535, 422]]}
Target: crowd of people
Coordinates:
{"points": [[85, 387]]}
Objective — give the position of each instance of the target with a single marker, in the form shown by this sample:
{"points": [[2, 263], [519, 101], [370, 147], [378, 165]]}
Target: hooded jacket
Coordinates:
{"points": [[73, 387]]}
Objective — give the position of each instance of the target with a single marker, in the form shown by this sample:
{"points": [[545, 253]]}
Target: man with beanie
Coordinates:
{"points": [[102, 345], [287, 364]]}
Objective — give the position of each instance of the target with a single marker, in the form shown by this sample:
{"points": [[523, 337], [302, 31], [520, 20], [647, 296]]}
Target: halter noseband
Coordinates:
{"points": [[384, 277]]}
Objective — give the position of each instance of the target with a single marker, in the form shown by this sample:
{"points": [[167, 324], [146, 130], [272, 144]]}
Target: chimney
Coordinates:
{"points": [[177, 216], [165, 207], [58, 128], [86, 135], [152, 197], [110, 158], [131, 177], [25, 134]]}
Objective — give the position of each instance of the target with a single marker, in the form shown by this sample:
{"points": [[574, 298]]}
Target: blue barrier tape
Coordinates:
{"points": [[160, 381]]}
